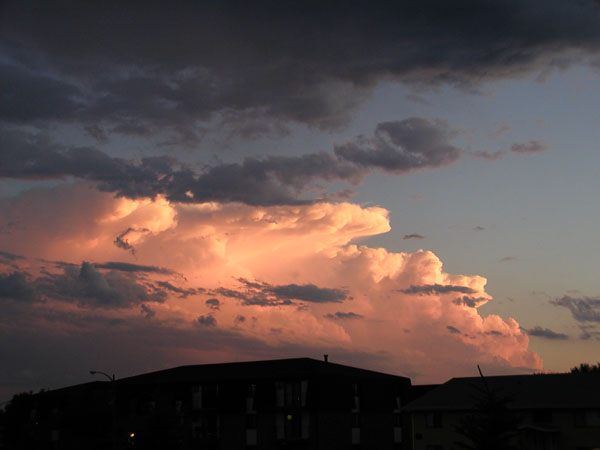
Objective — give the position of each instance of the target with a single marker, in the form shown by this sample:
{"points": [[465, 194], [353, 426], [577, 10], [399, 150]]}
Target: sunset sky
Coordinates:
{"points": [[410, 188]]}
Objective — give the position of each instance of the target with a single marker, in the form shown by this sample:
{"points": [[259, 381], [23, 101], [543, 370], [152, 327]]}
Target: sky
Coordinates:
{"points": [[409, 187]]}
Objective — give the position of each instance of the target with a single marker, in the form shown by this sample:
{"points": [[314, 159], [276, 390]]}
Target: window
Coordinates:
{"points": [[292, 425], [291, 393], [355, 398], [587, 418], [433, 420], [542, 416], [196, 397]]}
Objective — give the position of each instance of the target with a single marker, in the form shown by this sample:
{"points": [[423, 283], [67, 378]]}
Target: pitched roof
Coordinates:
{"points": [[270, 369], [555, 391]]}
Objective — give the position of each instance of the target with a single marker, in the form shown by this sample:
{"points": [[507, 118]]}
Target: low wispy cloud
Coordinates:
{"points": [[529, 147], [413, 236], [343, 316], [583, 309], [265, 294], [507, 259], [471, 302], [478, 228], [453, 330], [183, 292], [431, 289], [128, 267], [546, 333], [489, 156]]}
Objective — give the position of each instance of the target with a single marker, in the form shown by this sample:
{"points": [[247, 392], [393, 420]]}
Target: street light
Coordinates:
{"points": [[96, 372], [113, 403]]}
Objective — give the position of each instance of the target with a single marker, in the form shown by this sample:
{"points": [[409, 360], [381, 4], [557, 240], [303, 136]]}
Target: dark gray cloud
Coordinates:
{"points": [[267, 181], [413, 236], [344, 315], [546, 333], [207, 321], [89, 287], [471, 302], [15, 286], [122, 242], [133, 69], [529, 147], [402, 146], [128, 267], [507, 259], [430, 289], [183, 293], [147, 311], [584, 309], [453, 330], [478, 228], [213, 303], [10, 256], [265, 294]]}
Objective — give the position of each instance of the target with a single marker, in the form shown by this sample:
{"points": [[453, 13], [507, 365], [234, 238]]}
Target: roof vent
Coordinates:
{"points": [[325, 357]]}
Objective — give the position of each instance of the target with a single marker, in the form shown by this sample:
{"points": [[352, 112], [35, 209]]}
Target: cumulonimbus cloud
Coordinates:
{"points": [[299, 259]]}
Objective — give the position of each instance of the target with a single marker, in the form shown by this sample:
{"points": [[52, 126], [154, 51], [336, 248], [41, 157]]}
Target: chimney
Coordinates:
{"points": [[325, 357]]}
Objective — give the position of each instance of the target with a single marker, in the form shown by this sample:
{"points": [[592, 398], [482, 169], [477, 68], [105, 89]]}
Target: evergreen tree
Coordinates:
{"points": [[493, 426]]}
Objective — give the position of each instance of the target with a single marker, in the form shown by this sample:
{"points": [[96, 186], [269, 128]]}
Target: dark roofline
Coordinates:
{"points": [[529, 392], [262, 369]]}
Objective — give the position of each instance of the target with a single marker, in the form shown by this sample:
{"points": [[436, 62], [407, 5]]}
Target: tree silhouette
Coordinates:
{"points": [[586, 368], [492, 426]]}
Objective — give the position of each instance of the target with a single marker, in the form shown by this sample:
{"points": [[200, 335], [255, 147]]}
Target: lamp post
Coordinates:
{"points": [[114, 404], [95, 372]]}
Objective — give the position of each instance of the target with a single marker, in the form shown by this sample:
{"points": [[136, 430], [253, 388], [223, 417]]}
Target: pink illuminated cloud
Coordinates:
{"points": [[210, 282]]}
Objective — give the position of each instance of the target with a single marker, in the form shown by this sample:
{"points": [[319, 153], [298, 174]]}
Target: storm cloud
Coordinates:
{"points": [[170, 65]]}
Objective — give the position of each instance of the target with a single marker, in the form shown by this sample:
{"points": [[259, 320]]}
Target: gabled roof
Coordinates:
{"points": [[270, 369], [551, 391]]}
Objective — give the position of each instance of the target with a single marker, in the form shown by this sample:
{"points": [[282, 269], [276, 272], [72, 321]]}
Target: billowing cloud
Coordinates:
{"points": [[300, 260], [546, 333], [584, 309], [210, 59], [529, 147]]}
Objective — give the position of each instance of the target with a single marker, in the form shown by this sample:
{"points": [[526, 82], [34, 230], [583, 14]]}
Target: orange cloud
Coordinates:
{"points": [[285, 251]]}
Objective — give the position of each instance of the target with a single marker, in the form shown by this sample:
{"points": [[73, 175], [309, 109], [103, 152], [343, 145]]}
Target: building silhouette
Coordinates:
{"points": [[280, 404]]}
